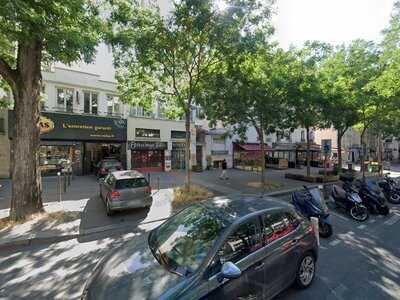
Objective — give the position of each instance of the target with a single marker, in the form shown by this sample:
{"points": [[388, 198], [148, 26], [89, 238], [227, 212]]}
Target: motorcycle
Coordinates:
{"points": [[311, 204], [391, 189], [372, 197], [348, 199]]}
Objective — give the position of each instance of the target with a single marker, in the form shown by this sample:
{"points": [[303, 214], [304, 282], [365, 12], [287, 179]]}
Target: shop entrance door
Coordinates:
{"points": [[94, 152], [178, 159]]}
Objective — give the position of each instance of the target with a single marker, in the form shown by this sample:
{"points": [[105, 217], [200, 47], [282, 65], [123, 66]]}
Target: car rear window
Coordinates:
{"points": [[131, 183], [109, 164]]}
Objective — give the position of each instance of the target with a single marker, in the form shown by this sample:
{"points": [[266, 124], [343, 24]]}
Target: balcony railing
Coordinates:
{"points": [[78, 111]]}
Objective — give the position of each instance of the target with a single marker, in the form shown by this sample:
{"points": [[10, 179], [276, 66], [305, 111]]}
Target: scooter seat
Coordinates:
{"points": [[338, 192]]}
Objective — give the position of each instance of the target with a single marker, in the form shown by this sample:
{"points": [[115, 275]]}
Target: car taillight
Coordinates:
{"points": [[148, 190], [102, 170], [311, 228], [115, 194]]}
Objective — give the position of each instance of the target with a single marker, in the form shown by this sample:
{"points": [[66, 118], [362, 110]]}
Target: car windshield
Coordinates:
{"points": [[110, 164], [131, 183], [182, 243]]}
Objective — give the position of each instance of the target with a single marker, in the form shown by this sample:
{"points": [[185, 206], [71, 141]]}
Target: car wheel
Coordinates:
{"points": [[109, 211], [306, 271]]}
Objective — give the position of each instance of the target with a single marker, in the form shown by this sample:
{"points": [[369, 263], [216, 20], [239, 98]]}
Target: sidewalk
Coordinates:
{"points": [[70, 220]]}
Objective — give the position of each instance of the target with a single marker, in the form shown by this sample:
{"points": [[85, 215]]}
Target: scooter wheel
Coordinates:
{"points": [[384, 210], [359, 213], [394, 198], [325, 230]]}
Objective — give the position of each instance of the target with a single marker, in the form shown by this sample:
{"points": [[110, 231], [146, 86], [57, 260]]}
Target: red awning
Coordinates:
{"points": [[252, 147]]}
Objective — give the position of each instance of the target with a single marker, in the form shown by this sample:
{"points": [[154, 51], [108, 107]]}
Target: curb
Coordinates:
{"points": [[34, 240]]}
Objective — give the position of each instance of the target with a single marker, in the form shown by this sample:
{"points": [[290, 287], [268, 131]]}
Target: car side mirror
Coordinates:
{"points": [[230, 271]]}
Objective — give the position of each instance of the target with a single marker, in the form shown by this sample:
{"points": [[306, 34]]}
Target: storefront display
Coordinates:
{"points": [[81, 141], [147, 156]]}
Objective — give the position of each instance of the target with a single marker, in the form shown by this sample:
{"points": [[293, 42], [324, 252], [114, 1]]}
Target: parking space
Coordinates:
{"points": [[361, 260]]}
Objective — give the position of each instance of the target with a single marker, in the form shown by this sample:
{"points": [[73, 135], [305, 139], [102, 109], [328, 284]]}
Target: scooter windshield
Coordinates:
{"points": [[317, 199]]}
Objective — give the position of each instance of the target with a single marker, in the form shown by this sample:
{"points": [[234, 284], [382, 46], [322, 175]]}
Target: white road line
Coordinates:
{"points": [[335, 242], [339, 215], [362, 227], [392, 220]]}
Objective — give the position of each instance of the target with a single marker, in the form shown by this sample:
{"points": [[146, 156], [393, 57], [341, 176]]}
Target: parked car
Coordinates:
{"points": [[106, 166], [124, 190], [222, 248]]}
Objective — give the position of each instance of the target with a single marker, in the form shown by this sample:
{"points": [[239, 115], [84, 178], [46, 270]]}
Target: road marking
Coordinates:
{"points": [[392, 220], [335, 242], [361, 227], [339, 216], [371, 221]]}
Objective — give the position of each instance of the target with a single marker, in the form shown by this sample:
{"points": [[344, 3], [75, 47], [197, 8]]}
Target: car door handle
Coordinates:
{"points": [[259, 266], [294, 242]]}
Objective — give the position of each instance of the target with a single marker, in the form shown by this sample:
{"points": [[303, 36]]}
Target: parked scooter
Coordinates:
{"points": [[348, 199], [311, 204], [391, 189], [372, 197]]}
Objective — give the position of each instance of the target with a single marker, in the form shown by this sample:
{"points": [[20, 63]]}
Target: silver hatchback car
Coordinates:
{"points": [[124, 190]]}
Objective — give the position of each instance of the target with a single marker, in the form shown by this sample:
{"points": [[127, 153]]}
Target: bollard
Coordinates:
{"points": [[69, 177], [59, 186], [148, 178], [65, 182], [314, 222], [158, 183]]}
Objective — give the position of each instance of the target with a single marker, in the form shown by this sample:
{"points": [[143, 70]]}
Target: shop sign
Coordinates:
{"points": [[178, 146], [59, 126], [143, 145]]}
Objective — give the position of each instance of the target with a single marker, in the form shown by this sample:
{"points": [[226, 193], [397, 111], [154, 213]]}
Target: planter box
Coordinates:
{"points": [[301, 177]]}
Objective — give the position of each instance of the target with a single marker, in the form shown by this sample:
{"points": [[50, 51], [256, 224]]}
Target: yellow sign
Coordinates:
{"points": [[46, 125]]}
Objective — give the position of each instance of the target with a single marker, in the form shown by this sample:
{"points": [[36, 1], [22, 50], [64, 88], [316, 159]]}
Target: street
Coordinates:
{"points": [[360, 261]]}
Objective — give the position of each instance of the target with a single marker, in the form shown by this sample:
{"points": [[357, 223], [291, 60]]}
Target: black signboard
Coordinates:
{"points": [[177, 146], [143, 145], [59, 126]]}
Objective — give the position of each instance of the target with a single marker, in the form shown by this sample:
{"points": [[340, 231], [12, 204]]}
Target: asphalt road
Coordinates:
{"points": [[360, 261]]}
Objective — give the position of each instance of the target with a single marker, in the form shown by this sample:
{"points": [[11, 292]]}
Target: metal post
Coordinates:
{"points": [[65, 181], [69, 177], [314, 222], [59, 186], [158, 183], [148, 178]]}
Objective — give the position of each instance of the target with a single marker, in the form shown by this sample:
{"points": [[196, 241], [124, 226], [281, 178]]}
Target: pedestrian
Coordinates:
{"points": [[223, 173]]}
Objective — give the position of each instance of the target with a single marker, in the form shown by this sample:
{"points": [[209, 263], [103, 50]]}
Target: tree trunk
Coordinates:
{"points": [[187, 149], [339, 147], [363, 148], [262, 147], [25, 173], [308, 152]]}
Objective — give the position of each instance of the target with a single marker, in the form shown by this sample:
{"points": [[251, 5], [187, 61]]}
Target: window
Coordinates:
{"points": [[245, 240], [131, 183], [303, 136], [65, 99], [2, 126], [175, 134], [90, 105], [147, 133], [218, 139], [277, 225], [113, 105], [136, 111]]}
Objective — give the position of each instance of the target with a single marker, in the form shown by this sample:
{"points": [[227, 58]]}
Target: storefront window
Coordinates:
{"points": [[147, 159], [147, 133], [55, 158]]}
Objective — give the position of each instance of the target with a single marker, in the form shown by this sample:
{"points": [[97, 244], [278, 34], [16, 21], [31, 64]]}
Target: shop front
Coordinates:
{"points": [[178, 156], [147, 156], [78, 141]]}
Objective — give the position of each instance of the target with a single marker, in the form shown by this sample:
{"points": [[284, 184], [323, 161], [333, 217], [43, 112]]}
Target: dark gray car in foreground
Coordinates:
{"points": [[224, 248]]}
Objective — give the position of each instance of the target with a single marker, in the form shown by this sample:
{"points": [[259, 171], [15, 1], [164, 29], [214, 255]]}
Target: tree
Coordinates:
{"points": [[305, 98], [166, 59], [32, 32], [339, 107], [251, 91]]}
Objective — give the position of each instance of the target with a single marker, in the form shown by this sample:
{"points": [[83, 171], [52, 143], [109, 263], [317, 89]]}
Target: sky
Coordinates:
{"points": [[333, 21]]}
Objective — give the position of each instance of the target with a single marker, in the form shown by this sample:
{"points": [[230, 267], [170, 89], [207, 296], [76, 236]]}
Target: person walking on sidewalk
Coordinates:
{"points": [[223, 173]]}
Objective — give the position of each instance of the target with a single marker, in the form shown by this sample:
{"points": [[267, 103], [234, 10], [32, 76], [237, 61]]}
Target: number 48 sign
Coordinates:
{"points": [[326, 146]]}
